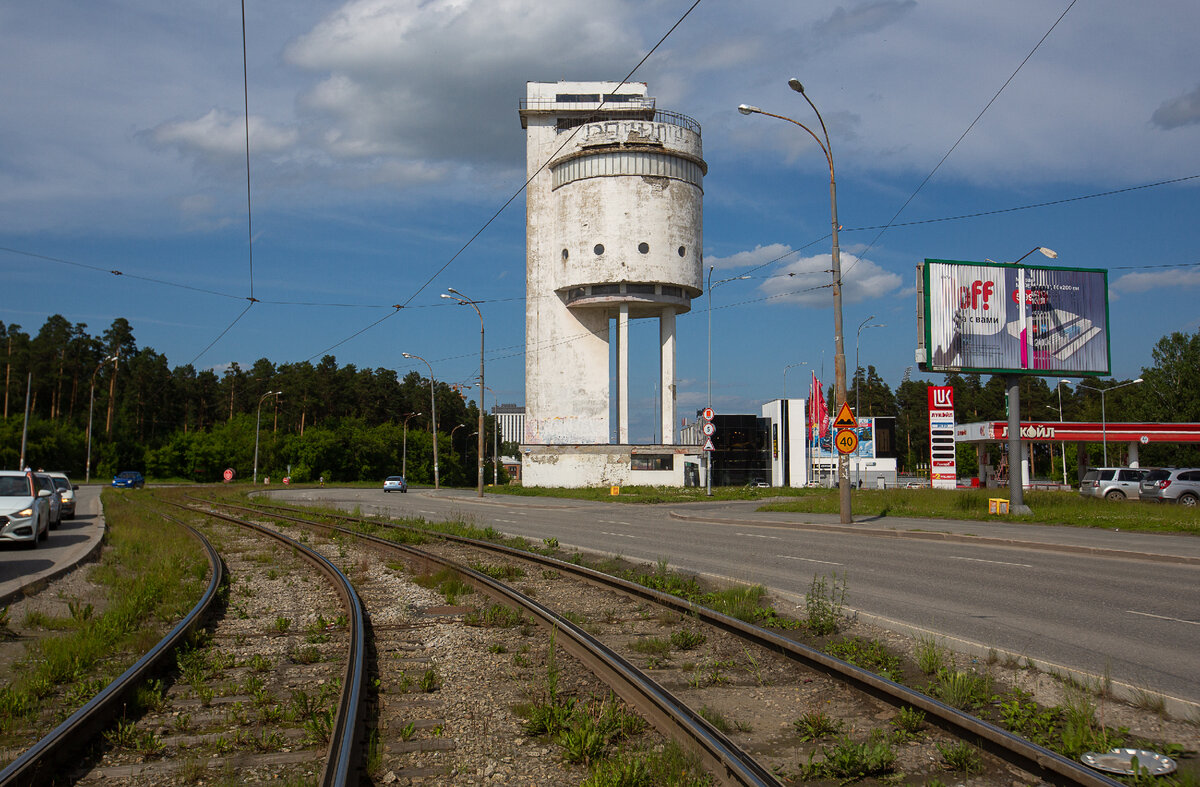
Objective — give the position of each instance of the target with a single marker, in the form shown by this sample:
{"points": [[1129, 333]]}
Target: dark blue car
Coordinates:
{"points": [[128, 479]]}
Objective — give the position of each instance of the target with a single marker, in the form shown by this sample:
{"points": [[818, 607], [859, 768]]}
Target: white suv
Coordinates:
{"points": [[24, 508], [1112, 483]]}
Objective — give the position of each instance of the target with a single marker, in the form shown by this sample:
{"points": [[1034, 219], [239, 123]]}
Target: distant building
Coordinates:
{"points": [[510, 419], [778, 447]]}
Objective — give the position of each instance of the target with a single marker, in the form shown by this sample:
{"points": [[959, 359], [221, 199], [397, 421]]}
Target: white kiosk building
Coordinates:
{"points": [[613, 233]]}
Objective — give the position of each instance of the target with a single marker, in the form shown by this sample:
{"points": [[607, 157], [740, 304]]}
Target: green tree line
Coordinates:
{"points": [[346, 423], [342, 423]]}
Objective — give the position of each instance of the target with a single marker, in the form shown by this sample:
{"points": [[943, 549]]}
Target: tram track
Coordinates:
{"points": [[1010, 751], [165, 719], [395, 637]]}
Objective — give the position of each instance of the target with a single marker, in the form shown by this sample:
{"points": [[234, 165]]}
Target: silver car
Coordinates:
{"points": [[24, 508], [46, 483], [1112, 483], [1180, 486]]}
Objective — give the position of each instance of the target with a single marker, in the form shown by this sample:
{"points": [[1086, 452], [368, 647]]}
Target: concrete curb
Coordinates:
{"points": [[87, 553]]}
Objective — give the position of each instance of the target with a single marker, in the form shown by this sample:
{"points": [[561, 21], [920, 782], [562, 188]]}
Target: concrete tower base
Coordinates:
{"points": [[575, 466]]}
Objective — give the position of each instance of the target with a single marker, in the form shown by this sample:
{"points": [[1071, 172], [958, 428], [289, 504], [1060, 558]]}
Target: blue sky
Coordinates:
{"points": [[384, 135]]}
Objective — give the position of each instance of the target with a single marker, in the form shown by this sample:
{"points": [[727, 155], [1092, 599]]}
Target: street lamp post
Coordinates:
{"points": [[785, 371], [1103, 416], [87, 473], [839, 358], [404, 449], [458, 296], [1062, 446], [857, 340], [857, 391], [257, 420], [452, 431], [711, 284], [432, 418]]}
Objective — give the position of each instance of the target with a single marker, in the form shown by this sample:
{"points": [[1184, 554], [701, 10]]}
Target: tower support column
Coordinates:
{"points": [[623, 374], [666, 341]]}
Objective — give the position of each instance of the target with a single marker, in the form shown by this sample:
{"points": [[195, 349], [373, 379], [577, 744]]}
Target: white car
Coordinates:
{"points": [[24, 508], [395, 483], [66, 492]]}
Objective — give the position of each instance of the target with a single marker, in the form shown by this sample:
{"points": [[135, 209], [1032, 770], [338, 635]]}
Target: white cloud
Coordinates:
{"points": [[1170, 279], [440, 79], [1181, 111], [756, 257], [223, 135], [807, 281], [864, 18]]}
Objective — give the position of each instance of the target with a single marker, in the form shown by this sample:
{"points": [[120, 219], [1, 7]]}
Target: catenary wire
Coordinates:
{"points": [[963, 136], [520, 190]]}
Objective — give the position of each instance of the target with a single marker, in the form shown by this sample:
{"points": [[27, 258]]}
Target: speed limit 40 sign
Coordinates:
{"points": [[846, 441]]}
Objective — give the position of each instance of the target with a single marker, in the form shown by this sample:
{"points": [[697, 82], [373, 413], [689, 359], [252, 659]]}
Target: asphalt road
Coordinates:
{"points": [[62, 549], [1041, 595]]}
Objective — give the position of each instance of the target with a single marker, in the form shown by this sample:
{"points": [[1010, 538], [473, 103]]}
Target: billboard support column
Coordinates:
{"points": [[1016, 488]]}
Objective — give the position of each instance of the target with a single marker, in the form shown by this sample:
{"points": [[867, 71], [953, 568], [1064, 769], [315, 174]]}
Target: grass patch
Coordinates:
{"points": [[152, 576], [448, 582], [495, 616], [868, 654], [1058, 508], [848, 761], [816, 725], [961, 689]]}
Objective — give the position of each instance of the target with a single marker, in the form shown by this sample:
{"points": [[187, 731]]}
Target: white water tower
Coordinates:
{"points": [[613, 234]]}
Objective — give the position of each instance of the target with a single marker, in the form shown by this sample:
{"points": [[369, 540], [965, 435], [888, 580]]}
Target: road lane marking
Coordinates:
{"points": [[757, 535], [621, 535], [993, 562], [615, 522], [809, 560], [1163, 617]]}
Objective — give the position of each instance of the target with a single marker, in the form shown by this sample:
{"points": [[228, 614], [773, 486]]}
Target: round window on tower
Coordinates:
{"points": [[565, 255], [599, 249], [682, 251], [644, 247]]}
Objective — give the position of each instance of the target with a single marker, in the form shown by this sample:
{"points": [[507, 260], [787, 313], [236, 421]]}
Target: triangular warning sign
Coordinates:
{"points": [[845, 418]]}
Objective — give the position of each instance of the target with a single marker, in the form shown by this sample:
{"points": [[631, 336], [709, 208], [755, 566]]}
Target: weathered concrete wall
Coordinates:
{"points": [[574, 466]]}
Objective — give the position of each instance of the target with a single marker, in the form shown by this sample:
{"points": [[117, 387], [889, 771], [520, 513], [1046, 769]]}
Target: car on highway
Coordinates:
{"points": [[1112, 483], [24, 508], [45, 482], [1172, 485], [66, 493], [395, 483], [128, 479]]}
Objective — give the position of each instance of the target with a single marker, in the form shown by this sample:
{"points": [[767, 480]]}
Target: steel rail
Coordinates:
{"points": [[340, 769], [1038, 760], [42, 762], [723, 758]]}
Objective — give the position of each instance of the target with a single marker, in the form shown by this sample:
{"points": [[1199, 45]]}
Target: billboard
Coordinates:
{"points": [[821, 446], [1012, 319]]}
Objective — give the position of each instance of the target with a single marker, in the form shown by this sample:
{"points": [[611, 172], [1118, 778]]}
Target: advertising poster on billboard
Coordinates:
{"points": [[943, 461], [821, 446], [1020, 319]]}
